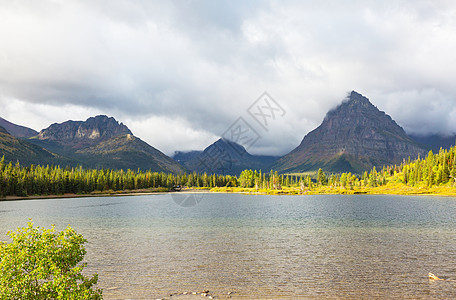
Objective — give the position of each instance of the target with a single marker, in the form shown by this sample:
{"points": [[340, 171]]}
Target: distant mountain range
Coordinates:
{"points": [[353, 137], [435, 141], [223, 157]]}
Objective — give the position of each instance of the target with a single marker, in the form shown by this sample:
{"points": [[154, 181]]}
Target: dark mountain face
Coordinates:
{"points": [[102, 142], [226, 157], [127, 152], [77, 133], [15, 149], [184, 156], [17, 130], [435, 141], [352, 138]]}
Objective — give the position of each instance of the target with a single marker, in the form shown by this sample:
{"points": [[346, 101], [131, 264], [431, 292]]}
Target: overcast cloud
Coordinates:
{"points": [[179, 73]]}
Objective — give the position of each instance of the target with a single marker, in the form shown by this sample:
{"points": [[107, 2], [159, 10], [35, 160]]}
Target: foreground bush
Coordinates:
{"points": [[41, 263]]}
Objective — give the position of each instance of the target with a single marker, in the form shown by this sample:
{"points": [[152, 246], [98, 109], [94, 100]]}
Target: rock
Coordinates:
{"points": [[99, 127], [353, 137], [433, 277]]}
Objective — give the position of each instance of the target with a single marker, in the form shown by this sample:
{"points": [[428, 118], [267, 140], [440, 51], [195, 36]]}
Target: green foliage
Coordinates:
{"points": [[434, 170], [247, 178], [41, 263], [321, 177], [45, 180]]}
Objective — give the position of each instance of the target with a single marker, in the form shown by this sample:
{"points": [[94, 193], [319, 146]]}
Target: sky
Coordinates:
{"points": [[181, 74]]}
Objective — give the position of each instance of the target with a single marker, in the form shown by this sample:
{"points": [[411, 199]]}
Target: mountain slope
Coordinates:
{"points": [[352, 138], [15, 149], [103, 142], [17, 130], [435, 141], [225, 157], [127, 152], [183, 156]]}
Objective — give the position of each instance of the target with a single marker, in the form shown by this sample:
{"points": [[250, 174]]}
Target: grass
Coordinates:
{"points": [[389, 189]]}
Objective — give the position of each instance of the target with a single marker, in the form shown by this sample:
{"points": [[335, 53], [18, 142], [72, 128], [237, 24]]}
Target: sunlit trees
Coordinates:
{"points": [[43, 264], [435, 169]]}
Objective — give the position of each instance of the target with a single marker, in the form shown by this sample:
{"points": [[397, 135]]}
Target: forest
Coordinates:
{"points": [[433, 170], [54, 180]]}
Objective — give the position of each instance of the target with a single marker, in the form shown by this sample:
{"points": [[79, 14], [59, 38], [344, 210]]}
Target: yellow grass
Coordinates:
{"points": [[389, 189]]}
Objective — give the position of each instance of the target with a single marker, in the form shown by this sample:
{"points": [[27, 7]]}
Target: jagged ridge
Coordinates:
{"points": [[93, 129], [102, 142]]}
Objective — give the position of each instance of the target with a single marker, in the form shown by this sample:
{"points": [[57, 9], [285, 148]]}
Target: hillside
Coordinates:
{"points": [[127, 152], [15, 149], [17, 130]]}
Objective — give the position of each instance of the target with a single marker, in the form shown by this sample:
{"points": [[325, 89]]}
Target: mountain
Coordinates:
{"points": [[17, 130], [183, 156], [102, 142], [15, 149], [435, 141], [224, 157], [127, 152], [352, 138], [79, 134]]}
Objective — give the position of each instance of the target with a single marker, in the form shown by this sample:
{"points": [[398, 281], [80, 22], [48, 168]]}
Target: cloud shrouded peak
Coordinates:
{"points": [[194, 67]]}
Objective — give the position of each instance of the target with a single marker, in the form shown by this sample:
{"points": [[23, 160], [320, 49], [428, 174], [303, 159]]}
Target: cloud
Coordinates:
{"points": [[171, 134], [40, 116], [198, 65]]}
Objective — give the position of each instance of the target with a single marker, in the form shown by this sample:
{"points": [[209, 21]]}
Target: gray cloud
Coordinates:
{"points": [[200, 64]]}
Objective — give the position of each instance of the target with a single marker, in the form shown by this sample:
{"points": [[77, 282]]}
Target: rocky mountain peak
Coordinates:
{"points": [[354, 136], [356, 117], [94, 128], [355, 104]]}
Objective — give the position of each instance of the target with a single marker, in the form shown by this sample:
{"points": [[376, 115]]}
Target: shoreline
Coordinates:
{"points": [[397, 191], [141, 192], [245, 191]]}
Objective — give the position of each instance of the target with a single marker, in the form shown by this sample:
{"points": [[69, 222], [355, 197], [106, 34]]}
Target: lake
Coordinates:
{"points": [[261, 247]]}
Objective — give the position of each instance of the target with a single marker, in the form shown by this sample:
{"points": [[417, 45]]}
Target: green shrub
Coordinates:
{"points": [[41, 263]]}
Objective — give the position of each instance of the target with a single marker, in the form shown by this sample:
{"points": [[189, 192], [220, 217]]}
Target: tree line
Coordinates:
{"points": [[54, 180], [434, 169]]}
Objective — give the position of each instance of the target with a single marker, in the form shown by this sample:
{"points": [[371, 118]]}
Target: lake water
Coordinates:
{"points": [[261, 247]]}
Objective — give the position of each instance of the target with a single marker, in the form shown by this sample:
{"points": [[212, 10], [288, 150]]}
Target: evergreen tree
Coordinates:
{"points": [[321, 177]]}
